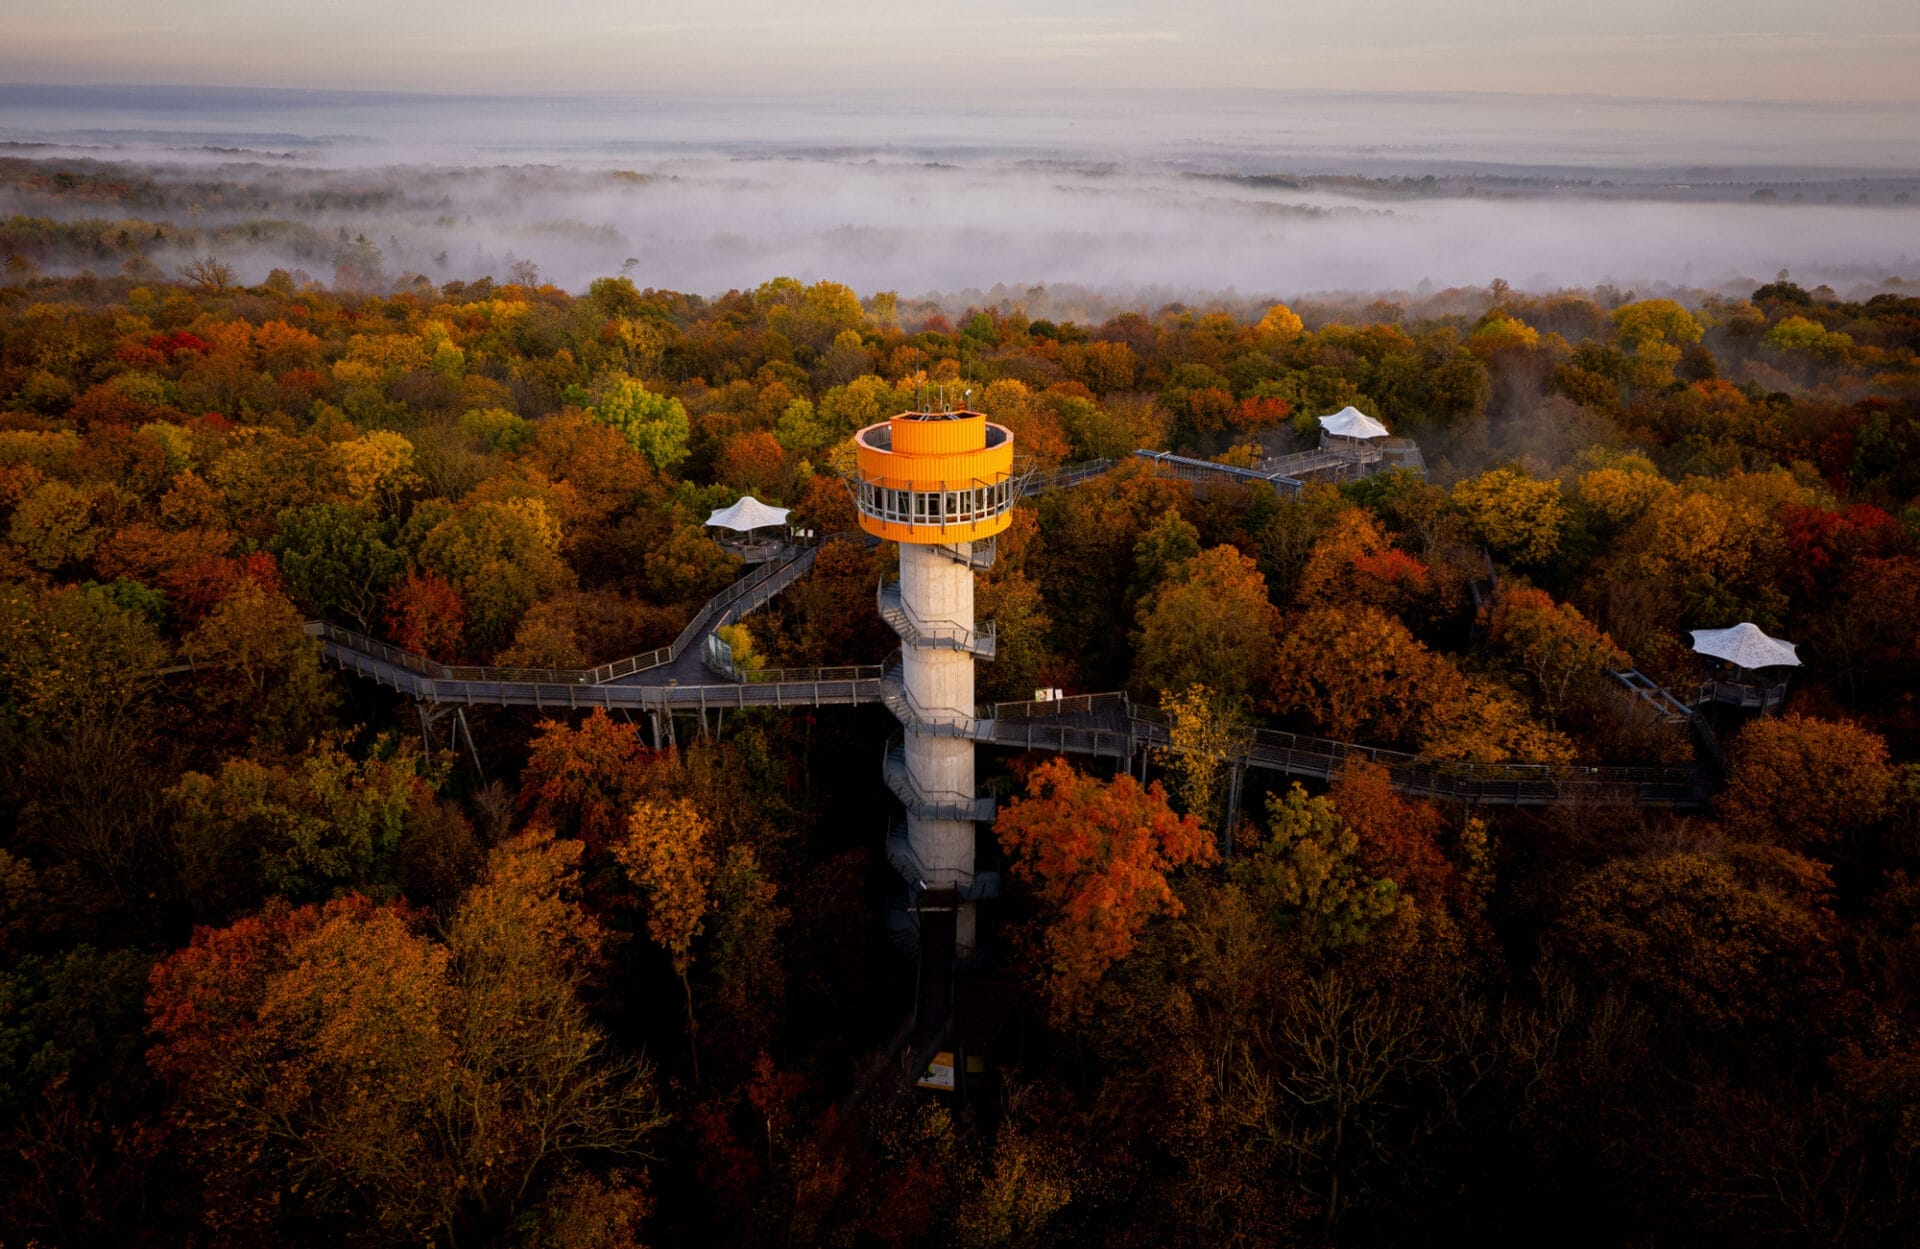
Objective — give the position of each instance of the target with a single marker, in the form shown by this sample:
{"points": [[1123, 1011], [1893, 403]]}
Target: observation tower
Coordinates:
{"points": [[940, 484]]}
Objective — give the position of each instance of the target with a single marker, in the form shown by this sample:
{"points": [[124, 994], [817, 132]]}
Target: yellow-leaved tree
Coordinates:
{"points": [[1517, 515], [1206, 734], [667, 855], [1800, 782], [1280, 325]]}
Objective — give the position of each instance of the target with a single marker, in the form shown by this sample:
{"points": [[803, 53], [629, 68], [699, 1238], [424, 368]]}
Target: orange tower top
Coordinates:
{"points": [[934, 477]]}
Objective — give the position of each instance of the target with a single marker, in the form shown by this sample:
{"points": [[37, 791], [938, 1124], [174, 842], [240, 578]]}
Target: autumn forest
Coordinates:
{"points": [[284, 962]]}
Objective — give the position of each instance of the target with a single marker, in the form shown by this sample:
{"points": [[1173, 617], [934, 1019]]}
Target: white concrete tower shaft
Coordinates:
{"points": [[941, 485], [936, 596]]}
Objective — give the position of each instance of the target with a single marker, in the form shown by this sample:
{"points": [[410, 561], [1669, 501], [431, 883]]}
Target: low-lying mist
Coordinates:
{"points": [[1183, 218]]}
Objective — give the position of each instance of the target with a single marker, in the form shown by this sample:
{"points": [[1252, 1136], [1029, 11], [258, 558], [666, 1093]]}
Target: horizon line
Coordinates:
{"points": [[536, 93]]}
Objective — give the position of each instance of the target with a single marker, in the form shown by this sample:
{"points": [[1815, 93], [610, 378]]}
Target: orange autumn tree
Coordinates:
{"points": [[666, 854], [1098, 853], [1554, 646], [1354, 562], [754, 462], [425, 615], [365, 1065], [584, 781], [1358, 675], [1798, 781], [1399, 838]]}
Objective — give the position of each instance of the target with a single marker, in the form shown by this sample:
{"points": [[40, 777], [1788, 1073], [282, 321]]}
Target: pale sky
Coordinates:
{"points": [[1674, 49]]}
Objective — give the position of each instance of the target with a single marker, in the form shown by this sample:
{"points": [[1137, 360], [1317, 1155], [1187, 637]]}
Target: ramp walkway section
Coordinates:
{"points": [[1671, 710], [672, 676]]}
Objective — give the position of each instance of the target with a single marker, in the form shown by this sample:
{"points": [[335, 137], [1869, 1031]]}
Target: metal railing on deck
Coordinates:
{"points": [[1740, 694], [1276, 745], [1186, 468], [1063, 478], [1300, 463], [1077, 705], [1047, 726], [1401, 453]]}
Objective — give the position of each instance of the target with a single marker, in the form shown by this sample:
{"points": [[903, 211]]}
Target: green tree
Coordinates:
{"points": [[798, 429], [656, 425], [1308, 876], [1208, 624], [301, 831], [336, 561], [1164, 546]]}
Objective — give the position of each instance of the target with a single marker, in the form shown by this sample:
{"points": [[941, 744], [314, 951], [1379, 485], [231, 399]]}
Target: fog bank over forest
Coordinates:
{"points": [[1165, 195]]}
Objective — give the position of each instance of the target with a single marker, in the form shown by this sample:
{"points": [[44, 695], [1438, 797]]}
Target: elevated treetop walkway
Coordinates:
{"points": [[1112, 726], [694, 673], [1289, 474], [673, 676], [1107, 726]]}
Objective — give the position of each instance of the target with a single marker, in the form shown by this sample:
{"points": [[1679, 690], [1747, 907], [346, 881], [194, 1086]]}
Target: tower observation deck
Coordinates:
{"points": [[941, 484]]}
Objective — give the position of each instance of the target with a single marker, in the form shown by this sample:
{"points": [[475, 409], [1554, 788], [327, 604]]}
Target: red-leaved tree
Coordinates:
{"points": [[1098, 853]]}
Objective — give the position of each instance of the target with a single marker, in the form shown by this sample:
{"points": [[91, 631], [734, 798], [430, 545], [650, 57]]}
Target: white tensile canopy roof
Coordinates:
{"points": [[748, 513], [1351, 422], [1745, 646]]}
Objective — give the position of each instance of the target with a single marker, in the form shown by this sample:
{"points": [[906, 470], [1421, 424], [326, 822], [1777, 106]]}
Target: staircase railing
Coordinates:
{"points": [[948, 634], [933, 721], [926, 800]]}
